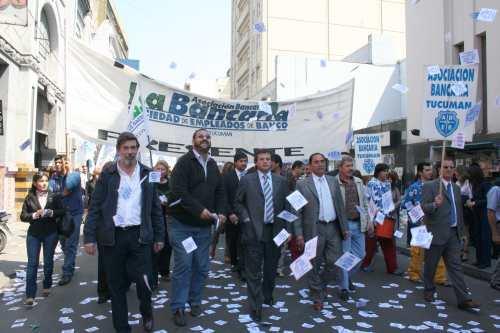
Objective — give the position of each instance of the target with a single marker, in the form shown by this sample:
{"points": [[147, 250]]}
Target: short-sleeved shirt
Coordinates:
{"points": [[494, 200]]}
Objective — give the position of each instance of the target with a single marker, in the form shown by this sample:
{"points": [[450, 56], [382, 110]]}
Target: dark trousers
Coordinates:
{"points": [[161, 260], [232, 242], [127, 260], [388, 246], [483, 245], [450, 251], [102, 283], [261, 264], [33, 246]]}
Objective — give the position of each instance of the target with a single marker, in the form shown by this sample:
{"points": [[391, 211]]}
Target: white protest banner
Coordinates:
{"points": [[174, 114], [138, 119], [444, 111], [368, 151]]}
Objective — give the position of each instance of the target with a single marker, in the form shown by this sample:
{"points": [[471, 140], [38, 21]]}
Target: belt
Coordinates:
{"points": [[326, 222], [128, 227]]}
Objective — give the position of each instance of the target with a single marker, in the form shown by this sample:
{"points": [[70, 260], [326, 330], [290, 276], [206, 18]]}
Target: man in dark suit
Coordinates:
{"points": [[442, 205], [324, 217], [125, 219], [233, 235], [261, 196]]}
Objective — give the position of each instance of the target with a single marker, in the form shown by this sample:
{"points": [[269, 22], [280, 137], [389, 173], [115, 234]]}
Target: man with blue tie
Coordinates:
{"points": [[442, 205], [261, 196]]}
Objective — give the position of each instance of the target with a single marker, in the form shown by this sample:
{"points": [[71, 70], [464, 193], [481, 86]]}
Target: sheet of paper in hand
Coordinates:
{"points": [[416, 213], [189, 245], [154, 176], [310, 248], [420, 237], [347, 261], [287, 216], [300, 266], [296, 199], [281, 237], [379, 218], [387, 202], [163, 199]]}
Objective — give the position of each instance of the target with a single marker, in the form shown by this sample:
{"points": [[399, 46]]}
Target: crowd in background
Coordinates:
{"points": [[61, 190]]}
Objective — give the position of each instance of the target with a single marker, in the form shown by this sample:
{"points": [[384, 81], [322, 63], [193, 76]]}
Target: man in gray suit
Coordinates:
{"points": [[323, 216], [442, 205], [260, 197]]}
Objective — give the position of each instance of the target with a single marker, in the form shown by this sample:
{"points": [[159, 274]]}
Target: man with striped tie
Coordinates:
{"points": [[261, 196]]}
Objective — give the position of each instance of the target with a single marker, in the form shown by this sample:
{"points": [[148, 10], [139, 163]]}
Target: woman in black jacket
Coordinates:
{"points": [[41, 208]]}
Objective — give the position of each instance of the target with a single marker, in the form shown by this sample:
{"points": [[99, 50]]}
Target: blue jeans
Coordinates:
{"points": [[70, 247], [356, 246], [33, 246], [190, 270]]}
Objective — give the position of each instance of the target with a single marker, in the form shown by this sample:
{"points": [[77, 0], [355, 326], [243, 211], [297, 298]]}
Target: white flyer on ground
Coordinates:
{"points": [[420, 237], [310, 248], [296, 199], [154, 176], [387, 202], [416, 213], [287, 216], [347, 261], [300, 266], [281, 237], [189, 245]]}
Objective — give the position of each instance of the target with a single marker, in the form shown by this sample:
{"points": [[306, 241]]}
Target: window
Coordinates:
{"points": [[44, 48], [82, 9], [457, 49]]}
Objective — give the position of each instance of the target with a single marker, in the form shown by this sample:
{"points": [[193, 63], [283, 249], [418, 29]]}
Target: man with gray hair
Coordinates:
{"points": [[355, 206]]}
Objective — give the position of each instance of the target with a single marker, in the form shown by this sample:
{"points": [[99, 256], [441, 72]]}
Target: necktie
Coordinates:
{"points": [[453, 219], [268, 200]]}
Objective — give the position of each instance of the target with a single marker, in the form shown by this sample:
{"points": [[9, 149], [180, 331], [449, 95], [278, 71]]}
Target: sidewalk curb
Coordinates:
{"points": [[469, 270]]}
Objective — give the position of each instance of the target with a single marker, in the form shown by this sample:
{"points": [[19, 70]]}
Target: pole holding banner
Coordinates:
{"points": [[441, 169]]}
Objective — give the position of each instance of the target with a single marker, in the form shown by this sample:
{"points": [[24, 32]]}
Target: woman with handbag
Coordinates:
{"points": [[380, 193], [41, 209]]}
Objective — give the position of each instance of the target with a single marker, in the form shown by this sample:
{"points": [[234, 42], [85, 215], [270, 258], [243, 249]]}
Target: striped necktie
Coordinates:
{"points": [[268, 200]]}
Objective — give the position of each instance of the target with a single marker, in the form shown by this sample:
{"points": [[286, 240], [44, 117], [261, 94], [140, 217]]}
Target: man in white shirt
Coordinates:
{"points": [[125, 217], [324, 218]]}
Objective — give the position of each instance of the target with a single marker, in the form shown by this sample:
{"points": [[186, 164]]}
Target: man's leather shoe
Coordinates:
{"points": [[344, 295], [179, 318], [468, 305], [318, 306], [195, 310], [429, 296], [64, 280], [148, 324], [256, 315]]}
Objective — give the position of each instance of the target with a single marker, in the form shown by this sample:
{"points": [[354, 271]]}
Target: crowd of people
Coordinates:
{"points": [[137, 221]]}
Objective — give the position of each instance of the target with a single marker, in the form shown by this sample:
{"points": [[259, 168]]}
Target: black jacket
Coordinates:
{"points": [[46, 225], [100, 226], [231, 183], [195, 191]]}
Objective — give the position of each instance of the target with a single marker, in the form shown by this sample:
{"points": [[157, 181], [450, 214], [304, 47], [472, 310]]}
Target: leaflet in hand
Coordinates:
{"points": [[347, 261], [287, 216], [416, 213], [281, 237], [387, 202], [420, 237], [297, 200], [300, 267]]}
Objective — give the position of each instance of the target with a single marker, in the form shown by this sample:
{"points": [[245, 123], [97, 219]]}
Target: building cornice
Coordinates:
{"points": [[32, 62]]}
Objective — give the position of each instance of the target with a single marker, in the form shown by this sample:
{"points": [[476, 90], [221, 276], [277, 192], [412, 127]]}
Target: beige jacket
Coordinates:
{"points": [[363, 202]]}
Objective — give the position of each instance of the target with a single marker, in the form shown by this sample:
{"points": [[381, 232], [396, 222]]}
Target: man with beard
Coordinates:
{"points": [[125, 218], [233, 232], [197, 201]]}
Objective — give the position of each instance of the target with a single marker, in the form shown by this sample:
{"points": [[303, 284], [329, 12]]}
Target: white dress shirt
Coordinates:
{"points": [[326, 209], [453, 203], [128, 210], [240, 173], [202, 162]]}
